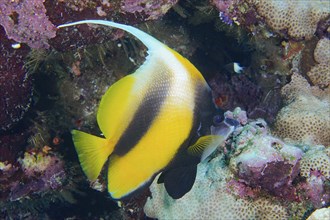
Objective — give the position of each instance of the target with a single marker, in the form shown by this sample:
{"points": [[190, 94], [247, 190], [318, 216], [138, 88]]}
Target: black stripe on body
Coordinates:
{"points": [[146, 112], [179, 176], [203, 105]]}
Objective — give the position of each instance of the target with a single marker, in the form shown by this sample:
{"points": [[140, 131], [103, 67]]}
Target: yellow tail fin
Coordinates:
{"points": [[92, 151]]}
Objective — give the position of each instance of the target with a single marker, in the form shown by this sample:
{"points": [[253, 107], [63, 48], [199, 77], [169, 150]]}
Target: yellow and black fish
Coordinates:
{"points": [[151, 121]]}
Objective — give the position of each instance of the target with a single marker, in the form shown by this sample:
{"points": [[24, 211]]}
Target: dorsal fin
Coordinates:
{"points": [[150, 42]]}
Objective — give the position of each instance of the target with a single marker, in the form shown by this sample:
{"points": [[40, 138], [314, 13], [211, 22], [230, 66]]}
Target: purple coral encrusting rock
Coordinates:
{"points": [[315, 167], [266, 162], [15, 84], [26, 22], [153, 9], [41, 172]]}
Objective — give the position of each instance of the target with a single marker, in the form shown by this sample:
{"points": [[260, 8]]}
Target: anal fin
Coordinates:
{"points": [[179, 180]]}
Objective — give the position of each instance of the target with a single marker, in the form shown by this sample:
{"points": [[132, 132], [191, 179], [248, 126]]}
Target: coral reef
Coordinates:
{"points": [[209, 199], [320, 74], [305, 118], [298, 18], [241, 91], [315, 167], [26, 22], [254, 184], [253, 175]]}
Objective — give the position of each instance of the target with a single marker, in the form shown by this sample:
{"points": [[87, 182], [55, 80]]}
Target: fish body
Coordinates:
{"points": [[149, 119]]}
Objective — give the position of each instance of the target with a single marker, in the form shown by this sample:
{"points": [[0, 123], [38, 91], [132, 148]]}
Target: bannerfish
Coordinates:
{"points": [[152, 122]]}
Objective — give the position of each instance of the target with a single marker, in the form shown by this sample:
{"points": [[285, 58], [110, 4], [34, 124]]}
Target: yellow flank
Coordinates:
{"points": [[92, 151], [153, 153], [122, 99], [117, 108]]}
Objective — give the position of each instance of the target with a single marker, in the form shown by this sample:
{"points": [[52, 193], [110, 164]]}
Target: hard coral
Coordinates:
{"points": [[320, 73], [26, 22], [299, 18], [316, 160], [305, 118], [318, 214]]}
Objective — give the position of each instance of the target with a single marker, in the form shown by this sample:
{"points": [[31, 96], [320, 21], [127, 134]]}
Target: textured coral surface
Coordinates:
{"points": [[305, 118], [299, 17], [320, 73], [209, 199]]}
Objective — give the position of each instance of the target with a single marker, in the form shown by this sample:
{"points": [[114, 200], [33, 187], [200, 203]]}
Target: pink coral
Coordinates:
{"points": [[26, 22]]}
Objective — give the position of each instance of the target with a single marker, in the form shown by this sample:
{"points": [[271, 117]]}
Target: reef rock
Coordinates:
{"points": [[265, 162], [15, 84], [26, 22]]}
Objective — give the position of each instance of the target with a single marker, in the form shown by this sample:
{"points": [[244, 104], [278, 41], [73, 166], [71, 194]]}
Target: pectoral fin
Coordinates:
{"points": [[205, 146]]}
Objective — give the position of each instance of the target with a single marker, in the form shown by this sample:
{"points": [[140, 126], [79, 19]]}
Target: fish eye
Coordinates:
{"points": [[217, 119], [231, 122]]}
